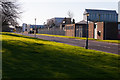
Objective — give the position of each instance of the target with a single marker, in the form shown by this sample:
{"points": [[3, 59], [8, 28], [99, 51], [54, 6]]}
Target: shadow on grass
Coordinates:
{"points": [[42, 61], [29, 62]]}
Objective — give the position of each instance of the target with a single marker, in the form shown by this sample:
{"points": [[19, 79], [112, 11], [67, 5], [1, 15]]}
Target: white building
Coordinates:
{"points": [[24, 27]]}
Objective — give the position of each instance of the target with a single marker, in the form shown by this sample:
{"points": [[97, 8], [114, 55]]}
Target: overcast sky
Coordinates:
{"points": [[46, 9]]}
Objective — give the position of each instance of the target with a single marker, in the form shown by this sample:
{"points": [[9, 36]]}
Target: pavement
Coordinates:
{"points": [[94, 45]]}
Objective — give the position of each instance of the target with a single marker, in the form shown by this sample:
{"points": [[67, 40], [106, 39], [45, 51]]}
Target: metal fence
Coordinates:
{"points": [[53, 31]]}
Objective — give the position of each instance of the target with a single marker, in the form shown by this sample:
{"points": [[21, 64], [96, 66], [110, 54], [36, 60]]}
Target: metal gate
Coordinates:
{"points": [[79, 31]]}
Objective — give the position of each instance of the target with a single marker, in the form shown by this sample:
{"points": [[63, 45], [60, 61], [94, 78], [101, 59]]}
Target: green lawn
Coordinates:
{"points": [[110, 41], [26, 57]]}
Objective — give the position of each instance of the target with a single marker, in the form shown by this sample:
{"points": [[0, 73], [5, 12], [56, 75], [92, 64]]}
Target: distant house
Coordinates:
{"points": [[97, 30], [18, 29], [96, 15], [76, 30], [28, 28], [56, 22], [37, 27], [31, 28], [24, 27], [103, 24]]}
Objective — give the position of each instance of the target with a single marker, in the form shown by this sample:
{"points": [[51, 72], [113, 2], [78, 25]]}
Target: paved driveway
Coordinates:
{"points": [[95, 45]]}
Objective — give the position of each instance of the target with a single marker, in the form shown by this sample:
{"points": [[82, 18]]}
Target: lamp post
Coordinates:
{"points": [[35, 28], [86, 46]]}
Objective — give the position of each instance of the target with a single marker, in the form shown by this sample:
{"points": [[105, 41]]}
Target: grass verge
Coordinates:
{"points": [[26, 57], [83, 38]]}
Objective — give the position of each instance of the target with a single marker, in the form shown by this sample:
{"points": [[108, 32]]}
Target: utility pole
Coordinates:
{"points": [[35, 28]]}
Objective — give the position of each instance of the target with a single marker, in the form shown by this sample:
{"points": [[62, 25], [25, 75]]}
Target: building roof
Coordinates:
{"points": [[101, 11], [82, 22]]}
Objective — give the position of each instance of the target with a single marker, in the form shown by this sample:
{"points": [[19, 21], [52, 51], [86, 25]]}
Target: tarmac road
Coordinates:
{"points": [[95, 45]]}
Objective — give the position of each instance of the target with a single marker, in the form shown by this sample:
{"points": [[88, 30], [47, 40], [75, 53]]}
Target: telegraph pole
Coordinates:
{"points": [[35, 28]]}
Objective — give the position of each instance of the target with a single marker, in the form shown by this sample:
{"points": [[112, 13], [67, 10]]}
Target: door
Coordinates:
{"points": [[95, 31], [78, 31]]}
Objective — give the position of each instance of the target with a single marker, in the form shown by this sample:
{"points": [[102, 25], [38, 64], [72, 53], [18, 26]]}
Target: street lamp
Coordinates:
{"points": [[86, 46], [35, 28]]}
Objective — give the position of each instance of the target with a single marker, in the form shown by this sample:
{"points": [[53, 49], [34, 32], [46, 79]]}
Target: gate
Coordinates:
{"points": [[79, 31]]}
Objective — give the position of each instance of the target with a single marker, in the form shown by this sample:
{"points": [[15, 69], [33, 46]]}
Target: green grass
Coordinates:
{"points": [[110, 41], [26, 57]]}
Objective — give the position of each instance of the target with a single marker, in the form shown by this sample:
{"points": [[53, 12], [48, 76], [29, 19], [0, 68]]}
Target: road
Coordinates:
{"points": [[95, 45]]}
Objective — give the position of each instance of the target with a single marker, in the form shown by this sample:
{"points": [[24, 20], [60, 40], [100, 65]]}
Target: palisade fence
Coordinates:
{"points": [[52, 31]]}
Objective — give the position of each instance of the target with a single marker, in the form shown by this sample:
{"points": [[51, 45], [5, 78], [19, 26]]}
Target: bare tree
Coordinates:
{"points": [[10, 12], [70, 14]]}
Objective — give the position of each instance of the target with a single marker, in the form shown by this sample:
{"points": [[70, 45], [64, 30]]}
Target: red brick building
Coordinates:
{"points": [[103, 30], [70, 30], [76, 30]]}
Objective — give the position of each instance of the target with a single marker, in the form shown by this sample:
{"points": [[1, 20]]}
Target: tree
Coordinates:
{"points": [[10, 12], [70, 14]]}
